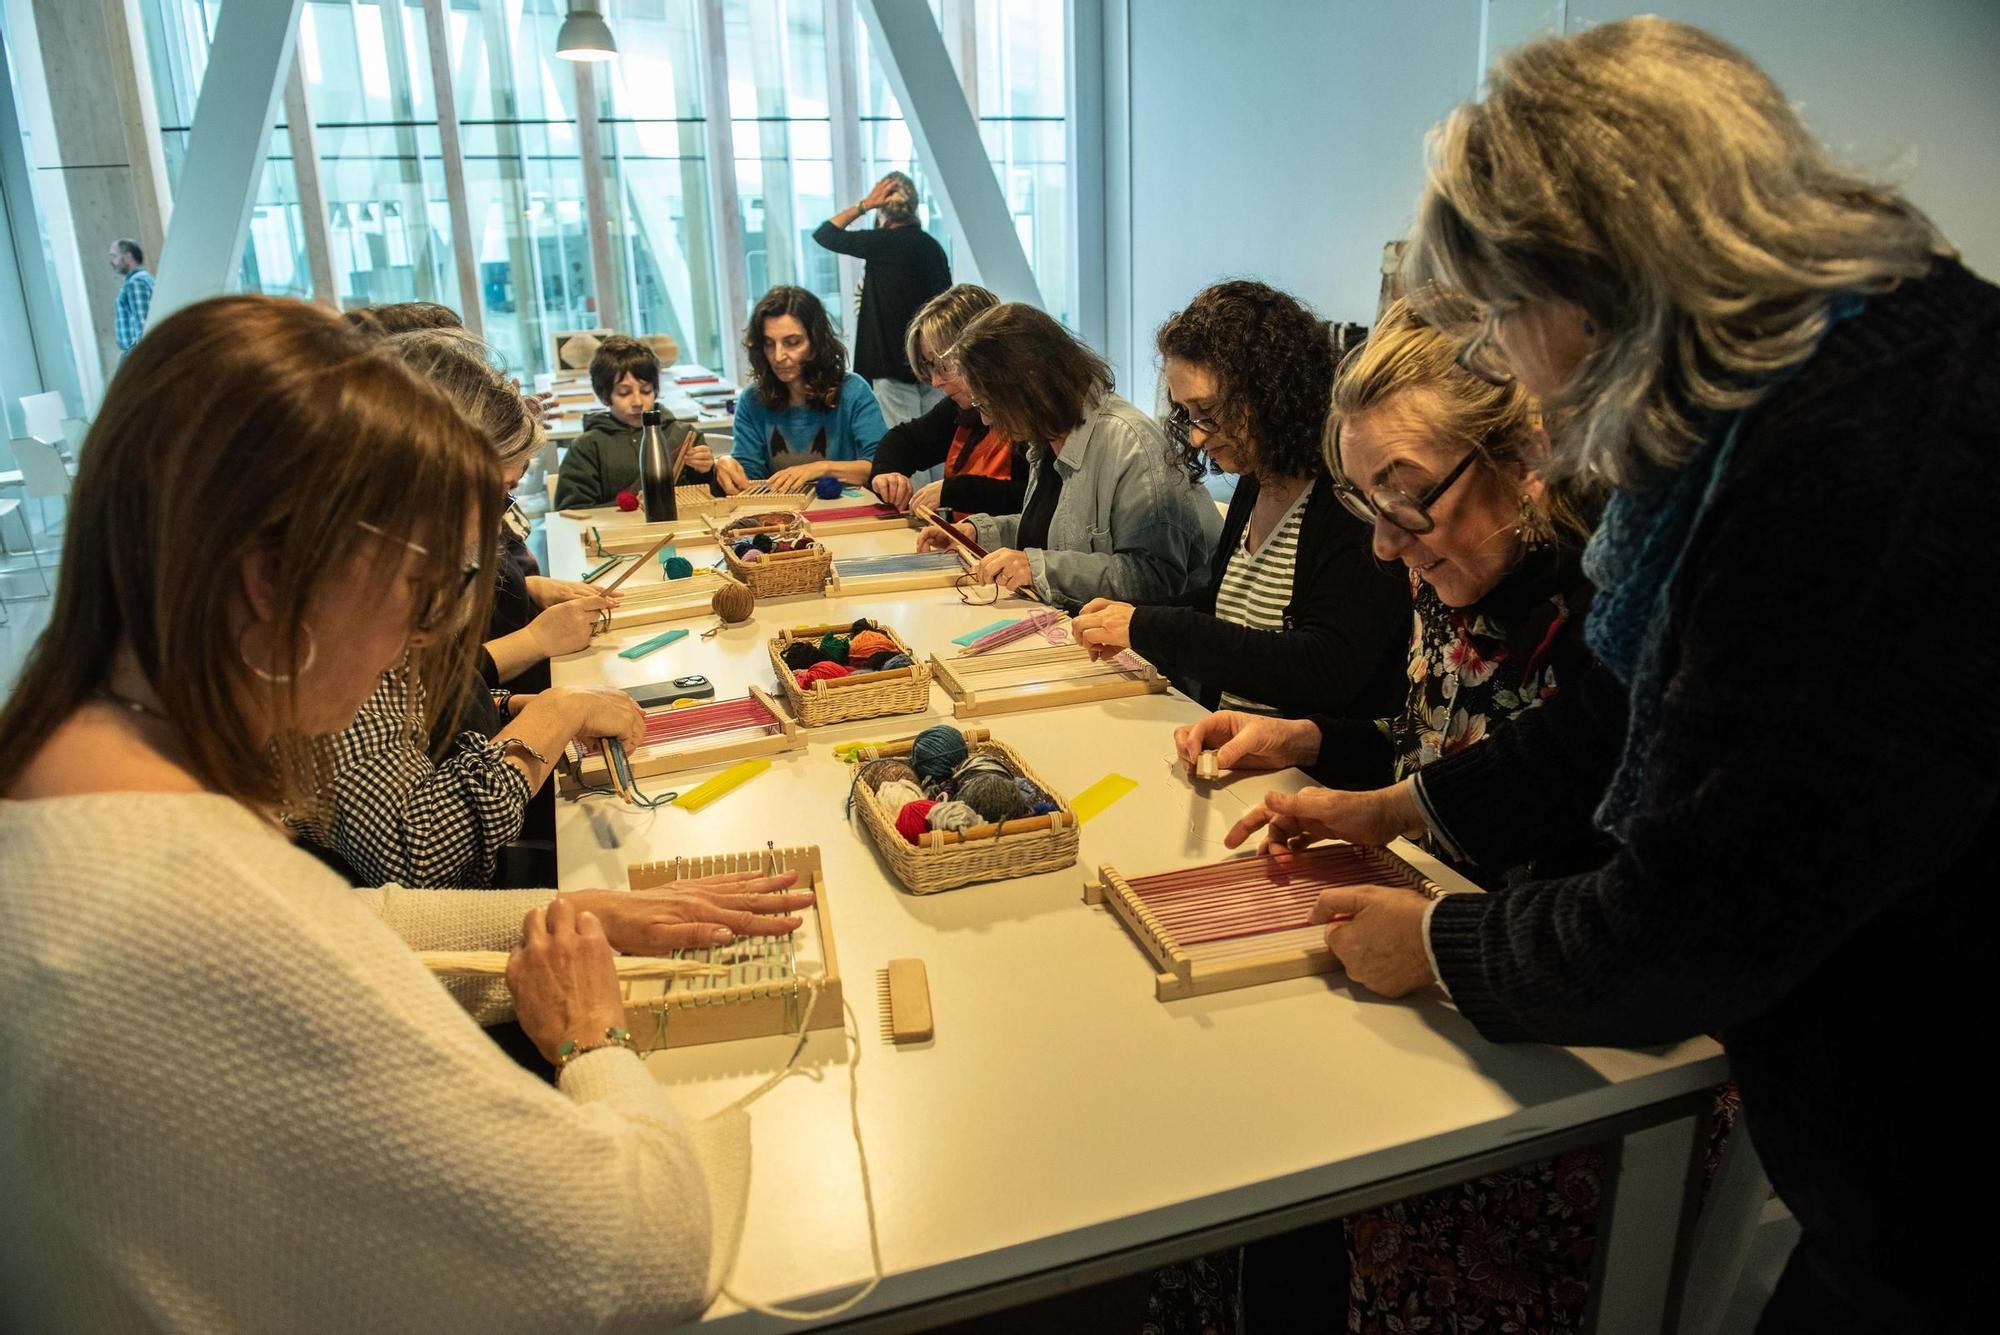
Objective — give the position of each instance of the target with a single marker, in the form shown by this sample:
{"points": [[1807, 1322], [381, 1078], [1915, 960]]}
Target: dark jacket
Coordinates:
{"points": [[604, 461], [1347, 625], [925, 442], [1806, 872], [905, 267]]}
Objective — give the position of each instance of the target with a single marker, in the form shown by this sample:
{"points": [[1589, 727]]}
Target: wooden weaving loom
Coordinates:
{"points": [[614, 532], [1060, 674], [855, 517], [1245, 921], [689, 738], [892, 574], [666, 600]]}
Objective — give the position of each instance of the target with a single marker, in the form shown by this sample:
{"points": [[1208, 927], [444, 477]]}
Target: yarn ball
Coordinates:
{"points": [[763, 542], [677, 567], [827, 488], [751, 557], [914, 820], [896, 794], [834, 647], [627, 501], [741, 548], [878, 772], [1044, 809], [993, 796], [896, 661], [825, 670], [801, 654], [876, 662], [860, 624], [733, 602], [982, 763], [867, 644], [937, 751], [1030, 794], [953, 816]]}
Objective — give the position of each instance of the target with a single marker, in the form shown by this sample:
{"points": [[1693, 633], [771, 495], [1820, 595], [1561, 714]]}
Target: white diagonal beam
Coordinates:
{"points": [[464, 245], [947, 140], [226, 149], [312, 198]]}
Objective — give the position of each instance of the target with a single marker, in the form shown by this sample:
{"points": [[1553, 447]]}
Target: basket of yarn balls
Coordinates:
{"points": [[784, 560], [830, 674], [950, 808]]}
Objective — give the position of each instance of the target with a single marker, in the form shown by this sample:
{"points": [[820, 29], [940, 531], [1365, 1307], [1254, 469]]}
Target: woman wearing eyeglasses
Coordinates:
{"points": [[1295, 616], [1105, 514], [292, 1125]]}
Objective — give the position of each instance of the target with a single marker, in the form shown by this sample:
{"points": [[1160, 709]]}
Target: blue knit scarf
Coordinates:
{"points": [[1633, 559]]}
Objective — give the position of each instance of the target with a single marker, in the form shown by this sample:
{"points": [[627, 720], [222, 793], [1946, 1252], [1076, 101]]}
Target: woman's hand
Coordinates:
{"points": [[1247, 741], [1377, 933], [893, 488], [931, 540], [599, 711], [709, 911], [567, 627], [700, 458], [1104, 627], [545, 592], [791, 479], [928, 496], [1007, 567], [729, 475], [563, 980], [1299, 819], [884, 190]]}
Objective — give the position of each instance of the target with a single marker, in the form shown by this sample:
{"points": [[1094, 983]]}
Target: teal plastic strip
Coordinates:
{"points": [[644, 647], [962, 640]]}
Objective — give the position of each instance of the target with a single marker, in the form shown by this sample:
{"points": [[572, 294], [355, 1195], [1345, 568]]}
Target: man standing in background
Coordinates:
{"points": [[903, 268], [135, 298]]}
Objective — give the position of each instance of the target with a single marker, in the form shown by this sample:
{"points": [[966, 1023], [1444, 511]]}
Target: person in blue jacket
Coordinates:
{"points": [[803, 416]]}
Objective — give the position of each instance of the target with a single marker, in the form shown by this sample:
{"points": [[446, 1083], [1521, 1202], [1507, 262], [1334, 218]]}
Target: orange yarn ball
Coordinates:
{"points": [[868, 644]]}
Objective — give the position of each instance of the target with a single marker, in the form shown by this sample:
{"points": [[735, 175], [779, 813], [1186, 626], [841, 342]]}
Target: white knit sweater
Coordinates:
{"points": [[231, 1099]]}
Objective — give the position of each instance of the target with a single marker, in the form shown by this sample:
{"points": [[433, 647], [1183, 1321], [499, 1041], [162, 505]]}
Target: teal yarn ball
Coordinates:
{"points": [[834, 647], [677, 567], [993, 796], [936, 751], [763, 542]]}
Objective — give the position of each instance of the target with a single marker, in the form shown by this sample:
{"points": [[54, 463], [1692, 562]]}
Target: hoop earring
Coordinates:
{"points": [[278, 678], [1533, 527]]}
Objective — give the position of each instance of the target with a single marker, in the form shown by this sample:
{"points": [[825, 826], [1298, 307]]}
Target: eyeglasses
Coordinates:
{"points": [[973, 593], [1181, 424], [1412, 514], [1472, 325], [445, 604]]}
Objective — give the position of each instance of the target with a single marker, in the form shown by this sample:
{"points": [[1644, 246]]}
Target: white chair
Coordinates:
{"points": [[74, 429], [42, 414], [44, 475], [11, 507]]}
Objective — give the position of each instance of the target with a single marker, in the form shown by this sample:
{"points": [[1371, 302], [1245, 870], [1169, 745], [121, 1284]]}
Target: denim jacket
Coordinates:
{"points": [[1128, 525]]}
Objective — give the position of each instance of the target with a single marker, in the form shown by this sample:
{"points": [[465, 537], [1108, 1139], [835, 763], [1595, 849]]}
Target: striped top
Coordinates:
{"points": [[1257, 587]]}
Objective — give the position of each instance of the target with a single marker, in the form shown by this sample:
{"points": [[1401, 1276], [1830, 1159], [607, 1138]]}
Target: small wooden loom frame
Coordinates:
{"points": [[832, 519], [770, 977], [939, 576], [1245, 921], [667, 600], [775, 733], [620, 532], [1064, 674]]}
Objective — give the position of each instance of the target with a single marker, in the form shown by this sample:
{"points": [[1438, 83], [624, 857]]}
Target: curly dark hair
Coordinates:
{"points": [[1273, 360], [825, 368]]}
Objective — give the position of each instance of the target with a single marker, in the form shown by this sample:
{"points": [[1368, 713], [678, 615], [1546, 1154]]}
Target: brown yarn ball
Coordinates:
{"points": [[878, 772], [733, 602]]}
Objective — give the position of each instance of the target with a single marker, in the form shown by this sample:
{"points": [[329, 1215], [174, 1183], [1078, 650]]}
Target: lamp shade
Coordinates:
{"points": [[585, 36]]}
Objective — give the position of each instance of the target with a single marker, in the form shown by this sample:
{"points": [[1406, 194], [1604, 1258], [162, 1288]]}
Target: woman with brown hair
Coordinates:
{"points": [[1295, 616], [1106, 514], [804, 415], [949, 457], [317, 1136]]}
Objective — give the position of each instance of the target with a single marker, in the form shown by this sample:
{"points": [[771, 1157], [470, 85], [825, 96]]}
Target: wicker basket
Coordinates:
{"points": [[996, 857], [864, 695], [778, 573]]}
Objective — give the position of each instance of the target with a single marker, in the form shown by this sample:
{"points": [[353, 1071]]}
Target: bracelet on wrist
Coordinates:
{"points": [[503, 745], [569, 1050]]}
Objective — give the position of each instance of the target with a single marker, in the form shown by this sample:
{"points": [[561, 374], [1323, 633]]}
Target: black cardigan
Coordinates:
{"points": [[1346, 627], [1806, 874], [924, 442]]}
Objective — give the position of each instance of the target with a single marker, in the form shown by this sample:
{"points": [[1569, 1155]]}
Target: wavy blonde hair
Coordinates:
{"points": [[1657, 178]]}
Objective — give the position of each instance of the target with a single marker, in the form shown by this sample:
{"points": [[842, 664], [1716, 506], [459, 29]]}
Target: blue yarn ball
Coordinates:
{"points": [[1044, 808], [898, 660], [937, 751], [827, 488], [678, 567]]}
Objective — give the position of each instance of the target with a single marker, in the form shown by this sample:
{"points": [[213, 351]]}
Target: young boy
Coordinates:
{"points": [[604, 460]]}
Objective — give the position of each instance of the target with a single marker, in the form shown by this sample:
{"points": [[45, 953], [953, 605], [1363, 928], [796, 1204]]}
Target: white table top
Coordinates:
{"points": [[1061, 1112]]}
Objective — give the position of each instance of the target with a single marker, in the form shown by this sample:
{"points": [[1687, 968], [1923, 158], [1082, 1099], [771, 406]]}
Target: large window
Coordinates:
{"points": [[367, 73]]}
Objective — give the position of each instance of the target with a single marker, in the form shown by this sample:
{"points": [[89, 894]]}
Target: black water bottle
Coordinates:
{"points": [[656, 470]]}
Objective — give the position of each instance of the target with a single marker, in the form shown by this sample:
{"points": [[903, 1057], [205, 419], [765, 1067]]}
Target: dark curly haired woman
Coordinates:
{"points": [[804, 415], [1295, 612]]}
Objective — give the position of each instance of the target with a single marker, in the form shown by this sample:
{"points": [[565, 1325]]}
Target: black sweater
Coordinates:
{"points": [[1805, 875], [924, 442], [1346, 627], [905, 267]]}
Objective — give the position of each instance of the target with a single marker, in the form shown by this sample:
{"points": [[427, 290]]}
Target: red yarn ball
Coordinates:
{"points": [[627, 501], [825, 670], [914, 820]]}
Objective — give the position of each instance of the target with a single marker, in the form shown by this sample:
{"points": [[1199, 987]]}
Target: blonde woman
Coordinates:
{"points": [[1793, 389], [295, 1127]]}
